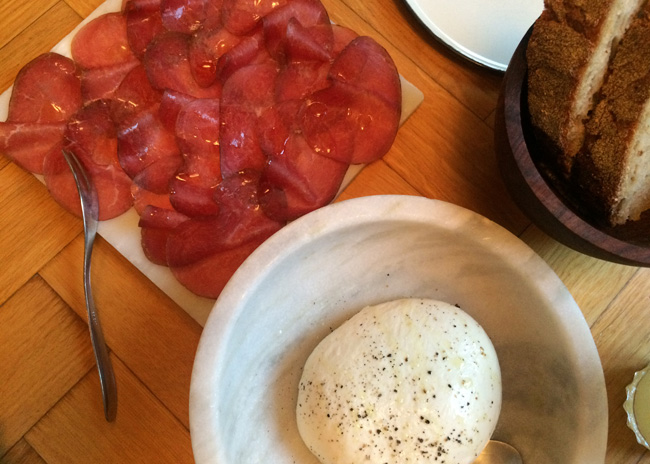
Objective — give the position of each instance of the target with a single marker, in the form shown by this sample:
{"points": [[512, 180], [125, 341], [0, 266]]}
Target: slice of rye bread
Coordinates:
{"points": [[613, 168], [568, 55]]}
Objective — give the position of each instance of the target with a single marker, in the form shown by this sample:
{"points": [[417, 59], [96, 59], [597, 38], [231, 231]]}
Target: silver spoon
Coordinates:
{"points": [[90, 214], [497, 452]]}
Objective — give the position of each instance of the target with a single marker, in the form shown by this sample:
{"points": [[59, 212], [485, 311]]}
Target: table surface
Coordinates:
{"points": [[50, 408]]}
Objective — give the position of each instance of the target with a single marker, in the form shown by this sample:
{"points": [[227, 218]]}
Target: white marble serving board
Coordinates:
{"points": [[123, 232]]}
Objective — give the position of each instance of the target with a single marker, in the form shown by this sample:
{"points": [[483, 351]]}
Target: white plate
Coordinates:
{"points": [[324, 267], [484, 31]]}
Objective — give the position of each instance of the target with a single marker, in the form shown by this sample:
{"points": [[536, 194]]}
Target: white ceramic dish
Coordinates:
{"points": [[485, 32], [321, 269]]}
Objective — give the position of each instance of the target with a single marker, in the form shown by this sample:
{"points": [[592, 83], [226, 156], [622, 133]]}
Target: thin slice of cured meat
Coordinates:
{"points": [[247, 94], [143, 24], [239, 221], [91, 136], [184, 16], [27, 143], [156, 224], [349, 124], [365, 64], [308, 43], [168, 67], [206, 47], [134, 94], [102, 42], [147, 151], [102, 83], [193, 187], [342, 37], [242, 16], [171, 104], [248, 51], [47, 90], [299, 79], [298, 180], [307, 13], [209, 276], [143, 198]]}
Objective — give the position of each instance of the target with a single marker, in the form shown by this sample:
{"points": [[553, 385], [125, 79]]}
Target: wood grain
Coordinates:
{"points": [[50, 407]]}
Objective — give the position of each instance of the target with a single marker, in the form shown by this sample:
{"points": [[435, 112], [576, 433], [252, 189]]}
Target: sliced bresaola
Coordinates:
{"points": [[299, 79], [207, 277], [240, 220], [184, 16], [246, 95], [168, 67], [27, 143], [92, 137], [249, 50], [144, 23], [134, 94], [143, 198], [156, 224], [171, 104], [206, 47], [242, 16], [298, 180], [365, 64], [147, 151], [102, 42], [102, 83], [303, 15], [349, 124], [193, 187], [46, 90]]}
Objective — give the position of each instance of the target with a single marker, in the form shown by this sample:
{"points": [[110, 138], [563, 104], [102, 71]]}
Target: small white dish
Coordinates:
{"points": [[318, 271], [485, 32]]}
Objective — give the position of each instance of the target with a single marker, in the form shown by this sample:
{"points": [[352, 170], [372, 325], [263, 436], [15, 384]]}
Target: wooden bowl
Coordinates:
{"points": [[543, 200]]}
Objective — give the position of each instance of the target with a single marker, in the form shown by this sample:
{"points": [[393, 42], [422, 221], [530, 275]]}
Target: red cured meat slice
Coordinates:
{"points": [[307, 13], [26, 144], [102, 42], [206, 47], [193, 187], [143, 23], [133, 95], [213, 10], [342, 37], [143, 198], [168, 67], [54, 99], [297, 181], [91, 135], [112, 185], [239, 221], [367, 65], [156, 225], [184, 16], [170, 106], [308, 44], [298, 80], [209, 276], [101, 83], [250, 50], [147, 151], [247, 94], [349, 124], [242, 16]]}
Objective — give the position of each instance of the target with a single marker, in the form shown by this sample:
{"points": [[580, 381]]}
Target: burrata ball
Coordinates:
{"points": [[408, 381]]}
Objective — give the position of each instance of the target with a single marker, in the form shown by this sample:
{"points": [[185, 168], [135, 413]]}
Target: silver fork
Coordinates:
{"points": [[90, 214]]}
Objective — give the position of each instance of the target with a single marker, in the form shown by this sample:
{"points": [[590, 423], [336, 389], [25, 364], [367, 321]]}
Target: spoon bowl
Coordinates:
{"points": [[498, 452]]}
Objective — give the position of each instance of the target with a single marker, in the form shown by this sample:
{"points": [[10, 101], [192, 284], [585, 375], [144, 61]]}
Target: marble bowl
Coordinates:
{"points": [[315, 273], [548, 204]]}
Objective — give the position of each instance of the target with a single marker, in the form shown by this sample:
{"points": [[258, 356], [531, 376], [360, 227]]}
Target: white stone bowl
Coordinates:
{"points": [[318, 271]]}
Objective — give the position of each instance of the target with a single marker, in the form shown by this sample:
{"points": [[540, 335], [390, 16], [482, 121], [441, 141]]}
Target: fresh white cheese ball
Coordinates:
{"points": [[408, 381]]}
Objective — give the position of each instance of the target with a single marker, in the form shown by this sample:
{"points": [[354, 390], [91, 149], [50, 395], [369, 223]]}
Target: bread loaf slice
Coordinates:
{"points": [[613, 168], [568, 56]]}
